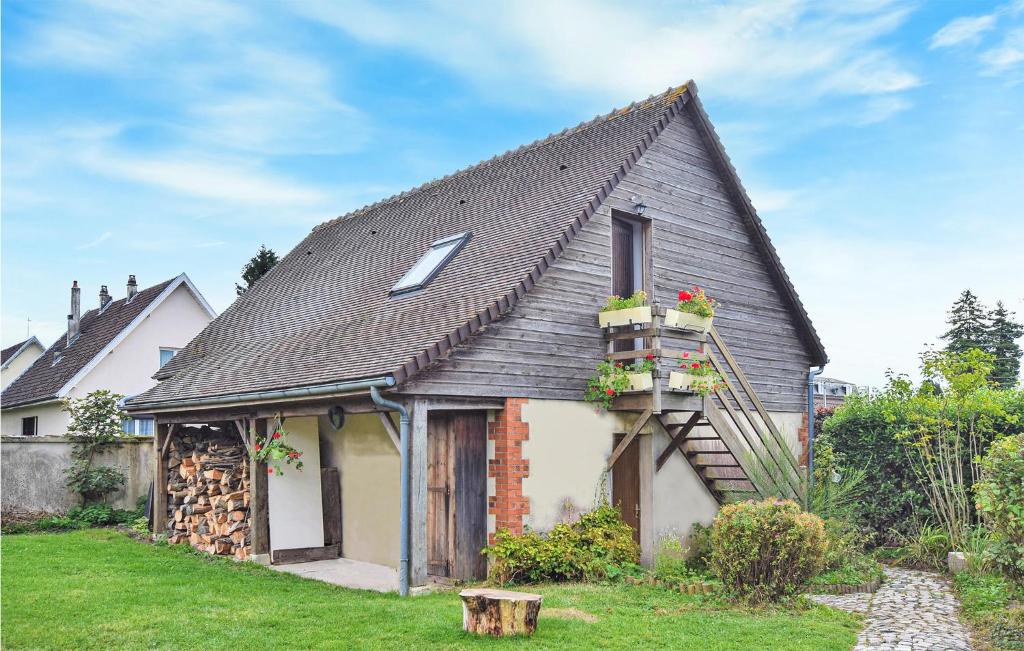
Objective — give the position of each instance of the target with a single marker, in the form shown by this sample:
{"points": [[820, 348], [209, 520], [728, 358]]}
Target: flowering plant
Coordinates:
{"points": [[613, 378], [274, 449], [706, 380], [616, 302], [697, 302]]}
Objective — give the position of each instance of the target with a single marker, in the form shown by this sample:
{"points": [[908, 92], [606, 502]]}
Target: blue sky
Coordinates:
{"points": [[881, 141]]}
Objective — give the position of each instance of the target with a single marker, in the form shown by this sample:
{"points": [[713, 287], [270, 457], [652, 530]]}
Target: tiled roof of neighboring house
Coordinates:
{"points": [[45, 379], [324, 313], [10, 352]]}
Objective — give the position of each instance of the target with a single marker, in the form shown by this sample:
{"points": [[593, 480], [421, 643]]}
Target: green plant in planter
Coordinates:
{"points": [[616, 302], [697, 302], [612, 379], [274, 449], [706, 380]]}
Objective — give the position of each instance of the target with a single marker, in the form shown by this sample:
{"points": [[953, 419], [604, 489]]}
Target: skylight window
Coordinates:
{"points": [[428, 266]]}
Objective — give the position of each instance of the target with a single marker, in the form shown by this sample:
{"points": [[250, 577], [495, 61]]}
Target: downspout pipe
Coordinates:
{"points": [[406, 528], [812, 374]]}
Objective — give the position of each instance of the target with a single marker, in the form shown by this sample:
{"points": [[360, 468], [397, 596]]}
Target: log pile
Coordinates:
{"points": [[208, 492]]}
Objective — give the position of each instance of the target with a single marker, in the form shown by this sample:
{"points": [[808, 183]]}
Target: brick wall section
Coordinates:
{"points": [[803, 439], [508, 505]]}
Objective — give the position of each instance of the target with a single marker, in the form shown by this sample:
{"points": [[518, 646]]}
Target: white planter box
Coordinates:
{"points": [[640, 382], [631, 316], [687, 321], [678, 381]]}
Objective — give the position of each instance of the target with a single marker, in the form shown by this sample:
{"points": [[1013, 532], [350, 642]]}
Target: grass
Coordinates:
{"points": [[987, 602], [98, 589]]}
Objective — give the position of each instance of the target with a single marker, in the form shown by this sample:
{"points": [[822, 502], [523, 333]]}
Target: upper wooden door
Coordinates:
{"points": [[457, 494], [623, 263]]}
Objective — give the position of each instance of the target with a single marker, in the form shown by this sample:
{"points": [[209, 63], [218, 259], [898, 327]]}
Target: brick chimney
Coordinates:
{"points": [[104, 296], [133, 287], [75, 318]]}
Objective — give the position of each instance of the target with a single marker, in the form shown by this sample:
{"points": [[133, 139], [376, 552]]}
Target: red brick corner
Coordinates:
{"points": [[508, 505]]}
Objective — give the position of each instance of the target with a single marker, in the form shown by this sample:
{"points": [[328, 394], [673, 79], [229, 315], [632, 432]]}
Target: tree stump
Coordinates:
{"points": [[499, 612]]}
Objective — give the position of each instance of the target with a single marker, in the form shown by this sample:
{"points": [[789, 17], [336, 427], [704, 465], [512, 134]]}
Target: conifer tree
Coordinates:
{"points": [[257, 266], [1003, 332], [968, 324]]}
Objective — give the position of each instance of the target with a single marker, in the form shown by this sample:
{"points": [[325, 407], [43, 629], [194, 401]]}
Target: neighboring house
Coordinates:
{"points": [[117, 346], [471, 301], [17, 358], [832, 392]]}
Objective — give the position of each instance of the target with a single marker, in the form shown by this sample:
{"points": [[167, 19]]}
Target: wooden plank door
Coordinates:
{"points": [[457, 494], [623, 268], [440, 477], [470, 429], [626, 484]]}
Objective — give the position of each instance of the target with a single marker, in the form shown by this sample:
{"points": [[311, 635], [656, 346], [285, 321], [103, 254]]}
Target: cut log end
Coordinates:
{"points": [[499, 612]]}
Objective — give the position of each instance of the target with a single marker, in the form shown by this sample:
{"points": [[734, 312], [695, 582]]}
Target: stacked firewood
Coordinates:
{"points": [[208, 492]]}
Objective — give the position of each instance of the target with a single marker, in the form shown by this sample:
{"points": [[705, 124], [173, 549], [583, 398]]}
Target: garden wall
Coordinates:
{"points": [[32, 472]]}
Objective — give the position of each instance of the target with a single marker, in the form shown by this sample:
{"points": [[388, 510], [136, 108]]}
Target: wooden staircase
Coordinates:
{"points": [[728, 438]]}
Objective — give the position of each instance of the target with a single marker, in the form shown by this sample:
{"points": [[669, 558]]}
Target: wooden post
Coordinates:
{"points": [[159, 524], [646, 470], [418, 494], [259, 512]]}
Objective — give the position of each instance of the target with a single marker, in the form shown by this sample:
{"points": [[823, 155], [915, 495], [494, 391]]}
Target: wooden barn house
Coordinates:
{"points": [[435, 346]]}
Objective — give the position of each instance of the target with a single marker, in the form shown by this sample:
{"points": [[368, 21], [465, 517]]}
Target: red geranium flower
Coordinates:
{"points": [[695, 365], [270, 471], [686, 354], [650, 357], [277, 435], [610, 392], [618, 364], [685, 295], [258, 447]]}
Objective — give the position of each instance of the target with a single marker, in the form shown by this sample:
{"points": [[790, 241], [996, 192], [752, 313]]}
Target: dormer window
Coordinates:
{"points": [[431, 264]]}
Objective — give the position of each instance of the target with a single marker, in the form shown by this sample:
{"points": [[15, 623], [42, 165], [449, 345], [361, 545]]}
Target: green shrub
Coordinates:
{"points": [[1000, 499], [926, 546], [763, 551], [699, 548], [597, 546], [78, 517]]}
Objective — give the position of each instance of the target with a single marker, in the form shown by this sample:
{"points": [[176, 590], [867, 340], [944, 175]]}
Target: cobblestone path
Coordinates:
{"points": [[912, 611]]}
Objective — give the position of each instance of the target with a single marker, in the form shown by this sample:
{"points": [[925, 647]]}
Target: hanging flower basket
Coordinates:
{"points": [[694, 311], [274, 450], [615, 378], [620, 311]]}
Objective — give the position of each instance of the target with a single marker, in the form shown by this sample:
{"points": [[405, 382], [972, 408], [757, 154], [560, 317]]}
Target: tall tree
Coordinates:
{"points": [[1003, 333], [257, 266], [968, 324]]}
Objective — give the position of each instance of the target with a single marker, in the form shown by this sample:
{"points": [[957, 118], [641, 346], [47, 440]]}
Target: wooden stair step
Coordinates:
{"points": [[713, 461], [732, 486], [723, 472], [714, 446]]}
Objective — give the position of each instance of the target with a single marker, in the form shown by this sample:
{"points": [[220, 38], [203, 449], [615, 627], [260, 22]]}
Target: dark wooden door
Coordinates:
{"points": [[457, 494], [626, 484]]}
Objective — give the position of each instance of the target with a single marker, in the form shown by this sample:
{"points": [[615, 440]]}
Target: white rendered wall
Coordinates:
{"points": [[19, 364], [295, 503], [53, 421]]}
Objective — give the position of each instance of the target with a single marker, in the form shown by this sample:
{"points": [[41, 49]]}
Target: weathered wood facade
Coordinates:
{"points": [[548, 345]]}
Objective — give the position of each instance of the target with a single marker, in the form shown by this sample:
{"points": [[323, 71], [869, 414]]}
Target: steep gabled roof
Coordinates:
{"points": [[9, 354], [61, 366], [324, 314]]}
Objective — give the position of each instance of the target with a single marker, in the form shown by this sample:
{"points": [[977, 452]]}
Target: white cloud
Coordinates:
{"points": [[879, 109], [966, 29], [1007, 55], [96, 242], [760, 50]]}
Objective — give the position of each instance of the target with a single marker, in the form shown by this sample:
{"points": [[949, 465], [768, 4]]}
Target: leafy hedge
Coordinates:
{"points": [[1000, 500], [766, 550], [599, 545], [864, 430]]}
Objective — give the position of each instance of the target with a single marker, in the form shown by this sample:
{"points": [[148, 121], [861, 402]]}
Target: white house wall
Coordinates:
{"points": [[19, 364], [294, 499], [53, 421]]}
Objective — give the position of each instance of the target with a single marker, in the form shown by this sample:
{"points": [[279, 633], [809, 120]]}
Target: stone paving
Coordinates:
{"points": [[912, 611]]}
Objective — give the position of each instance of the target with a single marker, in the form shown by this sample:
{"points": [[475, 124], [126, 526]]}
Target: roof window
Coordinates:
{"points": [[428, 266]]}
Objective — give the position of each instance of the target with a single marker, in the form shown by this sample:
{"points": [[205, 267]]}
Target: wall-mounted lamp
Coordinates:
{"points": [[638, 205]]}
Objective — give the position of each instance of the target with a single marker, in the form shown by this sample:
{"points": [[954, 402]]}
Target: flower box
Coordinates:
{"points": [[679, 381], [629, 316], [686, 321], [640, 382]]}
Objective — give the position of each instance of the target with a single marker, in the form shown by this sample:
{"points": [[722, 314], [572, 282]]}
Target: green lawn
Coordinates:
{"points": [[98, 589]]}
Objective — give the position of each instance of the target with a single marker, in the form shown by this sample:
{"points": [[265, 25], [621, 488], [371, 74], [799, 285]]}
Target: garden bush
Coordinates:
{"points": [[999, 498], [763, 551], [597, 546]]}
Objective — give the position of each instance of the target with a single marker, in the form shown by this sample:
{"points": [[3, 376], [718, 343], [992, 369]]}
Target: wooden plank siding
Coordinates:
{"points": [[549, 344]]}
